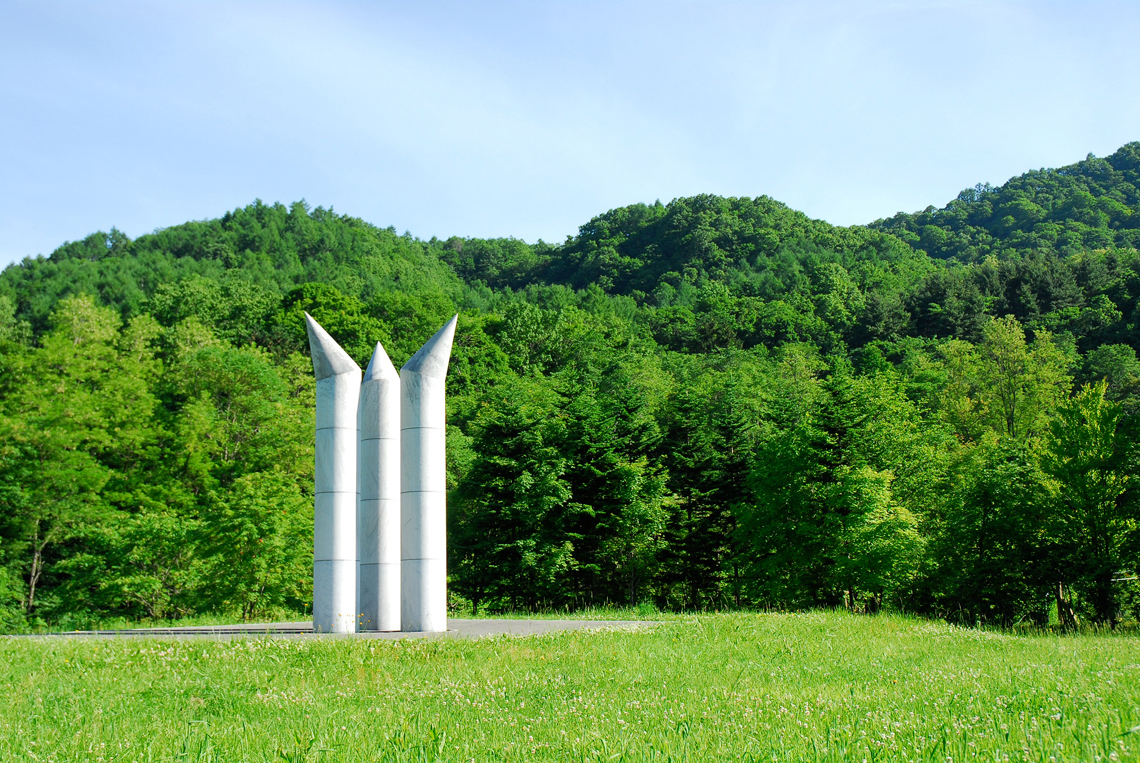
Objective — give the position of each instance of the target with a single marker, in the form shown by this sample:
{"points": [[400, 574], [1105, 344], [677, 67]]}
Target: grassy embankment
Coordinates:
{"points": [[815, 686]]}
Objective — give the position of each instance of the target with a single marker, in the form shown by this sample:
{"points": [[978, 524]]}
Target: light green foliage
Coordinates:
{"points": [[813, 686], [11, 328], [1086, 456], [340, 314], [238, 414], [1020, 385], [1003, 384], [259, 538], [74, 430], [113, 460], [150, 562]]}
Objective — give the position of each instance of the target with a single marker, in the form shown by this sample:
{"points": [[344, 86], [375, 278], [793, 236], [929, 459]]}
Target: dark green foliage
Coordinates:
{"points": [[707, 403], [512, 533]]}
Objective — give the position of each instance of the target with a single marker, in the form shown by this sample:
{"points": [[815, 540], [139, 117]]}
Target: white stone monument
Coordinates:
{"points": [[380, 521], [423, 484], [334, 523], [378, 515]]}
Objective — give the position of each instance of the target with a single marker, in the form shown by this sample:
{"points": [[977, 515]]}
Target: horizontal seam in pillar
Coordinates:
{"points": [[342, 429], [390, 439], [441, 492], [406, 429], [341, 492], [426, 559]]}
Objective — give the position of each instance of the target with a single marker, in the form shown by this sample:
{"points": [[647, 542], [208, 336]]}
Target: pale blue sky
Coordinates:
{"points": [[527, 119]]}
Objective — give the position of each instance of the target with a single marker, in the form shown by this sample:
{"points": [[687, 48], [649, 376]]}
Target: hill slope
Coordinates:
{"points": [[1093, 204], [712, 402]]}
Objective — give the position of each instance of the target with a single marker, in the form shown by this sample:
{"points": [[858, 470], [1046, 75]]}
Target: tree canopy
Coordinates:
{"points": [[707, 403]]}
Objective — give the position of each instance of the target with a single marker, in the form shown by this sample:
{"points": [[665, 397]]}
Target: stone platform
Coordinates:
{"points": [[456, 629]]}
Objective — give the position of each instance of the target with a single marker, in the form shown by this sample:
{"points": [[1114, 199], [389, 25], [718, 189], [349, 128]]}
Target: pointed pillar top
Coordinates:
{"points": [[431, 359], [328, 357], [380, 367]]}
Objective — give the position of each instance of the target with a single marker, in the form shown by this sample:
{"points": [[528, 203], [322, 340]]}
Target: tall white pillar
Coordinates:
{"points": [[423, 484], [334, 526], [378, 515]]}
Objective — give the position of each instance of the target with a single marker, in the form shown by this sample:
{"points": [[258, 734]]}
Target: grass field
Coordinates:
{"points": [[814, 686]]}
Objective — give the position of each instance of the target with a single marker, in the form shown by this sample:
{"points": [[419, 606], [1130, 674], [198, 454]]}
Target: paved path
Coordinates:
{"points": [[456, 629]]}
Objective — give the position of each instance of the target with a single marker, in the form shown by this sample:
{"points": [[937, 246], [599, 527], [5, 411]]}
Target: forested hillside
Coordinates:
{"points": [[702, 404], [1088, 205]]}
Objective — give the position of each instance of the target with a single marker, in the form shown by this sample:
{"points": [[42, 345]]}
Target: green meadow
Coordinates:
{"points": [[810, 686]]}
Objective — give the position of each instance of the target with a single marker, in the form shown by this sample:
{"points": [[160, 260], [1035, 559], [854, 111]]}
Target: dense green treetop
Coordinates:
{"points": [[271, 248], [1093, 204], [705, 238]]}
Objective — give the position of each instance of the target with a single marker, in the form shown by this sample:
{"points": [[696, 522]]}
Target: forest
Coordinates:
{"points": [[709, 404]]}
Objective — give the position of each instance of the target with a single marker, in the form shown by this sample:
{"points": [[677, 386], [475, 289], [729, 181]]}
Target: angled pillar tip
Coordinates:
{"points": [[329, 358], [432, 358], [380, 366]]}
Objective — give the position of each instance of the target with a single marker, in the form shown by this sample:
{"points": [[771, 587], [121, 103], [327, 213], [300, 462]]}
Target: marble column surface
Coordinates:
{"points": [[334, 524], [378, 514], [423, 484]]}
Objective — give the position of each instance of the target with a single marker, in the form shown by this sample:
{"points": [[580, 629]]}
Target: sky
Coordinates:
{"points": [[527, 119]]}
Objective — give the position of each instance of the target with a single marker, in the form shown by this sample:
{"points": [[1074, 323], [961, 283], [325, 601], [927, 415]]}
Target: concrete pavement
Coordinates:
{"points": [[456, 628]]}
